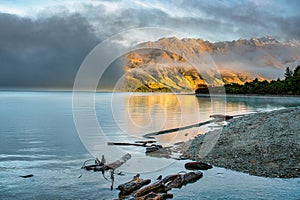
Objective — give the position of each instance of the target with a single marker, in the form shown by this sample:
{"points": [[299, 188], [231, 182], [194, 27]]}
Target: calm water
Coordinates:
{"points": [[38, 136]]}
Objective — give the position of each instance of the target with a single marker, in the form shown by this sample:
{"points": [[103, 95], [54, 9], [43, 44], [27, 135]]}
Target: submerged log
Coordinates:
{"points": [[149, 148], [127, 144], [139, 144], [151, 135], [129, 187], [197, 166], [218, 117]]}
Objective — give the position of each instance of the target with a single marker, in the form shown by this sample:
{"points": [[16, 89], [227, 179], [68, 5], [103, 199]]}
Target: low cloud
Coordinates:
{"points": [[46, 50]]}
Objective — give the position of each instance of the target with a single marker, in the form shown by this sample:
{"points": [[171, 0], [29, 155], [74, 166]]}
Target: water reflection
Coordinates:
{"points": [[140, 113], [143, 113], [146, 110], [38, 137]]}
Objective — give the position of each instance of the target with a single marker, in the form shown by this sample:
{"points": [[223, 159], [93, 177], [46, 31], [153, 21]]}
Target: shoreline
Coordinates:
{"points": [[245, 95], [262, 144], [179, 93]]}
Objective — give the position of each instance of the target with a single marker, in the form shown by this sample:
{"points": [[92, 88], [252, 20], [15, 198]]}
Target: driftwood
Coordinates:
{"points": [[118, 163], [147, 141], [179, 180], [151, 135], [169, 182], [157, 187], [149, 148], [217, 117], [152, 149], [157, 190], [103, 167], [129, 187], [126, 144], [139, 144], [197, 166]]}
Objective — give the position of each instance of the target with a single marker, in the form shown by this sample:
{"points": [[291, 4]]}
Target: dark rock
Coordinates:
{"points": [[197, 166], [27, 176]]}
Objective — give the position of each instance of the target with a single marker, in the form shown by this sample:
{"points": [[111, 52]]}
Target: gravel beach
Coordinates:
{"points": [[262, 144]]}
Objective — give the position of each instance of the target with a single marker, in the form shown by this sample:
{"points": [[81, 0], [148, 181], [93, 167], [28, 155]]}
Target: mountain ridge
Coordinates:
{"points": [[185, 64]]}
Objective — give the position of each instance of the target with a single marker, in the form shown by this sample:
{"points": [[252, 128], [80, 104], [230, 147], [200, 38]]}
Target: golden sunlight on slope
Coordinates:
{"points": [[159, 71]]}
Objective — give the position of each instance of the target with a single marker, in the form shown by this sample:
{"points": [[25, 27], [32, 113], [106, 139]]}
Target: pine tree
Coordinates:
{"points": [[288, 73], [296, 80], [296, 75]]}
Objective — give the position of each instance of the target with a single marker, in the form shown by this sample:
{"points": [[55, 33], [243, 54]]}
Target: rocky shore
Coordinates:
{"points": [[263, 144]]}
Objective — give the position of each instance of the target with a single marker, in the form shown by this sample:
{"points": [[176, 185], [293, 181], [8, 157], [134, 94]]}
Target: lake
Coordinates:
{"points": [[38, 136]]}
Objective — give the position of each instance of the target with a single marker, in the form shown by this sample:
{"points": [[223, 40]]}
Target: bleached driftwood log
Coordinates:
{"points": [[169, 182], [132, 185], [159, 189]]}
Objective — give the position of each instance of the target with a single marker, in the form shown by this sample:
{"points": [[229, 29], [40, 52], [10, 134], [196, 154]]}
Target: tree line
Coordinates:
{"points": [[290, 85]]}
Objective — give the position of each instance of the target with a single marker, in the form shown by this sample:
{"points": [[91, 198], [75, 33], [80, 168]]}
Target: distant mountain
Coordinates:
{"points": [[172, 64]]}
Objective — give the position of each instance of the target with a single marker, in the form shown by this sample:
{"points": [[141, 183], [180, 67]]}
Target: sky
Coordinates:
{"points": [[43, 43]]}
